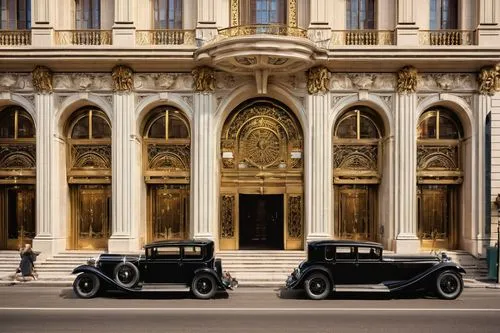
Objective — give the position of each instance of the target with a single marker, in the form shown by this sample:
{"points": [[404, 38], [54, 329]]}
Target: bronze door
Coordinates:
{"points": [[91, 216], [168, 212], [437, 216], [17, 216], [356, 212], [261, 221]]}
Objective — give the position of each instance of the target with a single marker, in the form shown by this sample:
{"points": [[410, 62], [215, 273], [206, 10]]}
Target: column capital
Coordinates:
{"points": [[204, 79], [407, 80], [42, 79], [318, 79], [489, 80], [123, 78]]}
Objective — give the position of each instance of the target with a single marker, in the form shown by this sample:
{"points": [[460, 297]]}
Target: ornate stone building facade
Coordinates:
{"points": [[260, 124]]}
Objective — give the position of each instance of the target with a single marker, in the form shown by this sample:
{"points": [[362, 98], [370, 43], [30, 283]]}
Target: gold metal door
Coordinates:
{"points": [[356, 212], [91, 216], [437, 216], [168, 213], [17, 216]]}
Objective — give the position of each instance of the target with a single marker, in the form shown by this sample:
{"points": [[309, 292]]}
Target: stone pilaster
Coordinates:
{"points": [[495, 162], [406, 28], [42, 28], [318, 170], [204, 175], [206, 25], [488, 30], [124, 27], [124, 174], [319, 29], [405, 179]]}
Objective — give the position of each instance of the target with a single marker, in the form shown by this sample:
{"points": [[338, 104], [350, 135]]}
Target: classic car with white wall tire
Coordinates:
{"points": [[187, 265], [354, 266]]}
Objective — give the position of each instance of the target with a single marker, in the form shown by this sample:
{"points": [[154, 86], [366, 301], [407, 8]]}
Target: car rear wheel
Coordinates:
{"points": [[449, 285], [317, 286], [86, 285], [204, 286], [126, 274]]}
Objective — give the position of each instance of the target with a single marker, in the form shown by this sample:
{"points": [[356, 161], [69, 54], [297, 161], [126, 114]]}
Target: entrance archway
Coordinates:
{"points": [[17, 178], [262, 200]]}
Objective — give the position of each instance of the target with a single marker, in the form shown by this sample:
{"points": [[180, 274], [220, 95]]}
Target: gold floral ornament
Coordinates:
{"points": [[123, 78], [407, 80], [317, 79], [204, 79], [489, 79], [42, 79]]}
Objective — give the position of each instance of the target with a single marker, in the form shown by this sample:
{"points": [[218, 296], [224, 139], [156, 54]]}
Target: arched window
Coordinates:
{"points": [[360, 14], [87, 14], [167, 123], [358, 123], [15, 14], [443, 14], [15, 123], [168, 14], [263, 11], [90, 124], [439, 124]]}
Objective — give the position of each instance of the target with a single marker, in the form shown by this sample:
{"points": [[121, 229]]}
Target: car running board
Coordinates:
{"points": [[159, 287], [361, 288]]}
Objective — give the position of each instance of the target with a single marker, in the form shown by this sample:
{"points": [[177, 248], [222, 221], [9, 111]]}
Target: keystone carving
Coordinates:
{"points": [[123, 78], [317, 80], [42, 79], [204, 79], [407, 80]]}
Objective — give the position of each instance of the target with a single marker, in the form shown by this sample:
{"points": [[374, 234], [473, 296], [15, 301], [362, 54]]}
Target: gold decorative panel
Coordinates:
{"points": [[18, 156], [437, 157], [227, 229], [91, 156], [169, 157], [355, 157], [295, 226]]}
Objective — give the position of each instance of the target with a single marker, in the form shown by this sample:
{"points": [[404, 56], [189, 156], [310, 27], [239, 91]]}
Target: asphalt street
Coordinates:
{"points": [[44, 309]]}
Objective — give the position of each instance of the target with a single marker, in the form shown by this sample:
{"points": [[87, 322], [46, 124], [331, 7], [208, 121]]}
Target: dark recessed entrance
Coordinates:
{"points": [[261, 221]]}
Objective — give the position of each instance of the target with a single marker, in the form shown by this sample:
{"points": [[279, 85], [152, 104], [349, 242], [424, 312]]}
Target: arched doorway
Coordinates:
{"points": [[17, 178], [167, 145], [262, 200], [439, 175], [89, 178], [357, 172]]}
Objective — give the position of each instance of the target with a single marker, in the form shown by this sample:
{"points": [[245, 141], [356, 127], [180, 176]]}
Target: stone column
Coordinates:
{"points": [[125, 196], [407, 28], [206, 25], [405, 213], [488, 30], [320, 30], [124, 27], [318, 164], [42, 27]]}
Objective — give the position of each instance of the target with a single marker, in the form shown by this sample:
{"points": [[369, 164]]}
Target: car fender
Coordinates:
{"points": [[309, 270], [211, 272], [100, 275], [425, 276]]}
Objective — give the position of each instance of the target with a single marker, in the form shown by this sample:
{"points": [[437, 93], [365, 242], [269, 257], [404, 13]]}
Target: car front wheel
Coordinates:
{"points": [[126, 274], [317, 286], [449, 285], [86, 285], [204, 286]]}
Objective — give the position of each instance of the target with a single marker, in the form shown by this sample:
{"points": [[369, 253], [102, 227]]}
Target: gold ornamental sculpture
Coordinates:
{"points": [[407, 80], [317, 80], [123, 78], [42, 79], [489, 80], [204, 79]]}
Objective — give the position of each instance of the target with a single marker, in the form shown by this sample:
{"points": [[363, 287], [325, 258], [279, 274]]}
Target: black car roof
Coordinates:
{"points": [[344, 243], [185, 242]]}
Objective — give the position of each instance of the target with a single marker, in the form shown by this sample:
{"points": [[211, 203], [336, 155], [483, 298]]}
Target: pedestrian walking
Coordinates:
{"points": [[27, 265]]}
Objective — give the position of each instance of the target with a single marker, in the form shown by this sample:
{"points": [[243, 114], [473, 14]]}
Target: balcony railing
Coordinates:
{"points": [[83, 37], [362, 37], [267, 29], [446, 37], [15, 37], [165, 37]]}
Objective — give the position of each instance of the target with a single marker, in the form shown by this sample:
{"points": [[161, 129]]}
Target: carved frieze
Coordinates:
{"points": [[318, 79], [446, 82], [15, 81], [83, 82], [204, 79], [123, 78], [407, 80], [366, 81], [163, 81], [42, 79]]}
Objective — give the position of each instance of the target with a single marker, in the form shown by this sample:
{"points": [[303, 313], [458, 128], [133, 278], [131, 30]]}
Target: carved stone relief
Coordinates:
{"points": [[366, 81], [42, 79], [83, 81], [489, 79], [189, 100], [317, 79], [446, 81], [123, 78], [407, 80], [387, 100], [15, 81], [204, 79], [163, 81]]}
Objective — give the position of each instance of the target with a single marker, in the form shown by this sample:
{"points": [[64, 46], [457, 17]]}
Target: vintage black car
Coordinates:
{"points": [[352, 266], [165, 266]]}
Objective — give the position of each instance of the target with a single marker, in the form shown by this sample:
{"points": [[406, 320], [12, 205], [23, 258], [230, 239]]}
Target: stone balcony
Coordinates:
{"points": [[362, 37], [83, 37], [165, 37], [446, 37], [15, 37]]}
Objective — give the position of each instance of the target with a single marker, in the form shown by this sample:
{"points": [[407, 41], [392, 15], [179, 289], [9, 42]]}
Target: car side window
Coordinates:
{"points": [[368, 253], [167, 252], [192, 252], [329, 252], [345, 253]]}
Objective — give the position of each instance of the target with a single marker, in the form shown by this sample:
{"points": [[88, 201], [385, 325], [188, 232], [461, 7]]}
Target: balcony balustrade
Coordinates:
{"points": [[268, 29], [15, 37], [165, 37], [83, 37], [362, 37], [446, 37]]}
